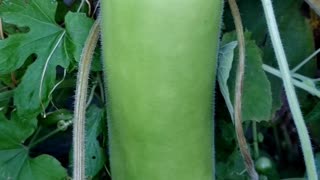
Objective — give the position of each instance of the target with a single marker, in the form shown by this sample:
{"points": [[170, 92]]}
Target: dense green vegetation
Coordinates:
{"points": [[41, 42]]}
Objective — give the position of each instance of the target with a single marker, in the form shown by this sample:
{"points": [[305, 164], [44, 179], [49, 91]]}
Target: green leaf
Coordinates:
{"points": [[38, 16], [296, 35], [95, 154], [257, 98], [232, 169], [313, 122], [317, 157], [5, 98], [53, 46], [226, 55], [15, 162], [78, 26]]}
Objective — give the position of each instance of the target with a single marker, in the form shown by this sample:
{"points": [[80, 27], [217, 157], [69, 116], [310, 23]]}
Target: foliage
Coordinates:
{"points": [[35, 55], [39, 56], [15, 162]]}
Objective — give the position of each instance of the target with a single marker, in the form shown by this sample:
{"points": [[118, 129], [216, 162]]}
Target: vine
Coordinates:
{"points": [[80, 102], [239, 92]]}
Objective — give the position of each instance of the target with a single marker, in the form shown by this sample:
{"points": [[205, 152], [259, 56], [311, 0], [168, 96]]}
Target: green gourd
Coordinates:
{"points": [[160, 60]]}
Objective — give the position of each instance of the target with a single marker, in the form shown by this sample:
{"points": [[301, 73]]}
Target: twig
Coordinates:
{"points": [[290, 92], [80, 103], [238, 93]]}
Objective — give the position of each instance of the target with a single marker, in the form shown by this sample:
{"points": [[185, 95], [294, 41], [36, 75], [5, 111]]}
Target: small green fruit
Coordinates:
{"points": [[263, 165]]}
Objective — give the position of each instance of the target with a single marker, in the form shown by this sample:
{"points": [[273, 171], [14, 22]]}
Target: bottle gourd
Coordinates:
{"points": [[160, 60]]}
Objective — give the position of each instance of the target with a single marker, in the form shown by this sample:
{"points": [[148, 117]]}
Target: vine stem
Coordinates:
{"points": [[80, 103], [313, 91], [239, 92], [290, 92]]}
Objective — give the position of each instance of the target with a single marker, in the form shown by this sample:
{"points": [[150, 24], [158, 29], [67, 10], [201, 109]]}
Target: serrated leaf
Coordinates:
{"points": [[257, 98], [38, 16], [226, 55], [15, 162], [296, 35], [95, 154], [53, 46]]}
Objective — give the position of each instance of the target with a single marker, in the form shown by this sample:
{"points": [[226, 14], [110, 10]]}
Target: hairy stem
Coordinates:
{"points": [[239, 92], [290, 92], [80, 103]]}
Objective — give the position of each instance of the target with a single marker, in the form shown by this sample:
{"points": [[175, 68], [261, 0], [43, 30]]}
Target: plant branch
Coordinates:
{"points": [[239, 92], [80, 103], [290, 92], [297, 83]]}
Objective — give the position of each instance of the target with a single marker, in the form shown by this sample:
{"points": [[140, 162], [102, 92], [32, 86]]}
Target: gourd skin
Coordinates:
{"points": [[160, 63]]}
